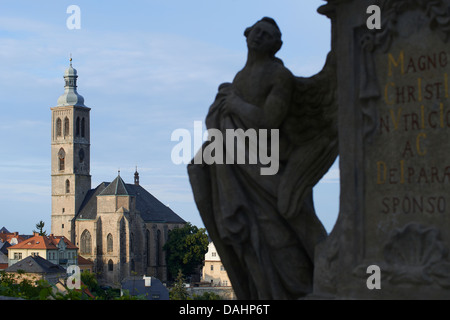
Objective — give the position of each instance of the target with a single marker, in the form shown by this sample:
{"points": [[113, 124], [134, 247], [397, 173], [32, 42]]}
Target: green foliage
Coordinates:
{"points": [[207, 296], [40, 227], [90, 280], [179, 291], [185, 248], [127, 296], [15, 285]]}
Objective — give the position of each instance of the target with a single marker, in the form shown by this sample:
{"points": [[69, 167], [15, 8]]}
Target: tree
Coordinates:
{"points": [[185, 249], [40, 227], [179, 291]]}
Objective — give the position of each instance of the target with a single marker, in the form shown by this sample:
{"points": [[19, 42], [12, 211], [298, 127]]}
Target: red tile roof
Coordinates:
{"points": [[5, 236], [43, 242], [83, 261]]}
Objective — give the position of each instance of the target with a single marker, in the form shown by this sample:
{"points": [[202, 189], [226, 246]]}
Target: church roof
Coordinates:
{"points": [[149, 207], [116, 188]]}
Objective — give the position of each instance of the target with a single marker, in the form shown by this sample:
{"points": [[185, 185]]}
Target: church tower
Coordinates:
{"points": [[70, 156]]}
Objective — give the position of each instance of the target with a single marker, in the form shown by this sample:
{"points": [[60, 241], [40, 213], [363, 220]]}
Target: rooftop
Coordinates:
{"points": [[35, 264], [148, 206], [50, 242]]}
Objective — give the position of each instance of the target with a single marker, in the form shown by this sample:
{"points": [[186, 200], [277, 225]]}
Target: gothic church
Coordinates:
{"points": [[120, 227]]}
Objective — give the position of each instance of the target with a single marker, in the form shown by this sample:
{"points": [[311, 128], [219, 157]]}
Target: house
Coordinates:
{"points": [[3, 261], [214, 272], [150, 287], [85, 264], [34, 268], [56, 249]]}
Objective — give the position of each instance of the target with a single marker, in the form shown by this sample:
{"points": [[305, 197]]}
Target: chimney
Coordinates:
{"points": [[147, 281], [35, 234]]}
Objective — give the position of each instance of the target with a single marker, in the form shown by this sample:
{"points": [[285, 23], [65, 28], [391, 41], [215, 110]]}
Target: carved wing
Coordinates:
{"points": [[312, 127], [314, 106]]}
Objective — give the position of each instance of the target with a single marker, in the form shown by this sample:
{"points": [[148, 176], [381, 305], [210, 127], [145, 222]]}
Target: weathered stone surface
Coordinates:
{"points": [[394, 116], [264, 226]]}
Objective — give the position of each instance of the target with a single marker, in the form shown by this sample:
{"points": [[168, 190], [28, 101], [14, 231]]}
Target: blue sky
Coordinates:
{"points": [[146, 68]]}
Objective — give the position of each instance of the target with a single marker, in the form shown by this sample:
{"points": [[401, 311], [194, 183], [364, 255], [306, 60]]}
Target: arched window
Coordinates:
{"points": [[61, 158], [77, 127], [66, 126], [58, 127], [67, 186], [132, 243], [86, 242], [147, 247], [157, 245], [110, 265], [83, 127], [109, 243]]}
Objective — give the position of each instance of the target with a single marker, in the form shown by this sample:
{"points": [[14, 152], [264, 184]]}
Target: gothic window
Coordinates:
{"points": [[157, 245], [83, 127], [109, 243], [66, 127], [147, 247], [86, 242], [131, 242], [122, 242], [61, 158], [67, 186], [77, 127], [58, 127], [110, 265]]}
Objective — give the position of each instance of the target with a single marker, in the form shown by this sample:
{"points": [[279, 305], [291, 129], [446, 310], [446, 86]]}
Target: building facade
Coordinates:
{"points": [[120, 227], [214, 272], [56, 249]]}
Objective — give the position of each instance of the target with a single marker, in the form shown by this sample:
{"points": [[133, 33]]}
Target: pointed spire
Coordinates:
{"points": [[136, 177]]}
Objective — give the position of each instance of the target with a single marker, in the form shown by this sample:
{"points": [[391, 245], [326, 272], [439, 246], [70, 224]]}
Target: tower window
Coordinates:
{"points": [[58, 127], [61, 157], [83, 128], [66, 127], [77, 127], [67, 186], [81, 155]]}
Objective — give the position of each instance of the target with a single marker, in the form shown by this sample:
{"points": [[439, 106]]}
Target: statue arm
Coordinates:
{"points": [[275, 108]]}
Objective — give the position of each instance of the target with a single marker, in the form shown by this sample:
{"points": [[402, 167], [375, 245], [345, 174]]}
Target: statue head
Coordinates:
{"points": [[264, 36]]}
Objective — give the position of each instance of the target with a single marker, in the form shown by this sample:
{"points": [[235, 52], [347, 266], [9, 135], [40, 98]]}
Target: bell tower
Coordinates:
{"points": [[70, 156]]}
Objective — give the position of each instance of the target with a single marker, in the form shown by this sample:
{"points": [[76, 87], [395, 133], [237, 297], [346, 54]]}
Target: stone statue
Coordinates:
{"points": [[264, 226]]}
